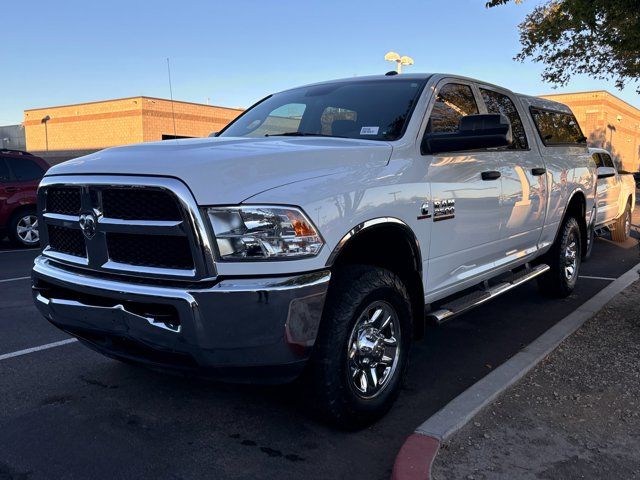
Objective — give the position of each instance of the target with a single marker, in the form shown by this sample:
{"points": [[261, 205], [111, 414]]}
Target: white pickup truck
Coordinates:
{"points": [[616, 196], [320, 231]]}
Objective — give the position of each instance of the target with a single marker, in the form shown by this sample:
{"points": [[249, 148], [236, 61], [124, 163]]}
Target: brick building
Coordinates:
{"points": [[608, 122], [74, 130]]}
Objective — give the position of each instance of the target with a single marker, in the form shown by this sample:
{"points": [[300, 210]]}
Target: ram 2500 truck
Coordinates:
{"points": [[319, 231], [615, 196]]}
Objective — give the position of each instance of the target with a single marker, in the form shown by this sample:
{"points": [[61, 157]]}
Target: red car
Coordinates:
{"points": [[20, 174]]}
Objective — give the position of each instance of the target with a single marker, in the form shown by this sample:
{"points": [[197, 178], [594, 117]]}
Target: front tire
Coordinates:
{"points": [[361, 354], [564, 259], [622, 228]]}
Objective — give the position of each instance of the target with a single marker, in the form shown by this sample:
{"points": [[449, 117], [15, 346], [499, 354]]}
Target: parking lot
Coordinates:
{"points": [[67, 412]]}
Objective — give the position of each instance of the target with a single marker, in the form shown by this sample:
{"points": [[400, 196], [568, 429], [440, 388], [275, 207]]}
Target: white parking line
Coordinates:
{"points": [[37, 349], [19, 250], [13, 279], [597, 278]]}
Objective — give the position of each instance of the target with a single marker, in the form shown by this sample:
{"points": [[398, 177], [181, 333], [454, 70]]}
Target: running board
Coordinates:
{"points": [[478, 297]]}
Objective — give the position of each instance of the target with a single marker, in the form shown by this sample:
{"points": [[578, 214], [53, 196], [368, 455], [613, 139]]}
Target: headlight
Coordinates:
{"points": [[263, 233]]}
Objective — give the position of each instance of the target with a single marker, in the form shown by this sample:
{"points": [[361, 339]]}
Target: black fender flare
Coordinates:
{"points": [[373, 223]]}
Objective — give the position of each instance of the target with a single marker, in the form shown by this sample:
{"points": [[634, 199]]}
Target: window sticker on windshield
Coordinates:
{"points": [[369, 130]]}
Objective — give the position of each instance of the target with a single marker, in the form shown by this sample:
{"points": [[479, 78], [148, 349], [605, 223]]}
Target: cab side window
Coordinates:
{"points": [[453, 102], [500, 103], [5, 175], [557, 128], [25, 170], [598, 161], [607, 161]]}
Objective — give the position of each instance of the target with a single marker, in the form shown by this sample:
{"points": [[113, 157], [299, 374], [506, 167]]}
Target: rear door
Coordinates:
{"points": [[466, 219], [5, 192], [25, 177], [523, 177], [608, 191]]}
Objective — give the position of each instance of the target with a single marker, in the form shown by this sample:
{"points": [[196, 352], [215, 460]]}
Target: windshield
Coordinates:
{"points": [[369, 109]]}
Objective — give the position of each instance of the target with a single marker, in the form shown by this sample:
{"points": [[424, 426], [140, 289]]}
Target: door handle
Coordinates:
{"points": [[538, 171], [491, 175]]}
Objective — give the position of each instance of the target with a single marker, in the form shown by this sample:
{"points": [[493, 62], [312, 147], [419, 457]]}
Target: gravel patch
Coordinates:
{"points": [[576, 415]]}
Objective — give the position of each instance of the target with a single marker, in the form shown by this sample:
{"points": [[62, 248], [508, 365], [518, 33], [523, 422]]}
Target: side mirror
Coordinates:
{"points": [[606, 172], [213, 134], [474, 132]]}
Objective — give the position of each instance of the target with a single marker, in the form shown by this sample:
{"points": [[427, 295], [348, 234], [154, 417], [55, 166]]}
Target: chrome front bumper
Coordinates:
{"points": [[250, 328]]}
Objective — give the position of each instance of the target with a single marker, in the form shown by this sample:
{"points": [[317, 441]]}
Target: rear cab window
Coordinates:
{"points": [[557, 128]]}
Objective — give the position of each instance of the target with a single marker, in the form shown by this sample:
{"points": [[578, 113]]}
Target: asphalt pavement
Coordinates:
{"points": [[68, 412]]}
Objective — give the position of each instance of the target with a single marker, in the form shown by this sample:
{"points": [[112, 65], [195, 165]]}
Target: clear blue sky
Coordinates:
{"points": [[235, 52]]}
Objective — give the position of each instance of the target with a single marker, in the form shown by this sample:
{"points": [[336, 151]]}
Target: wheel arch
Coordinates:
{"points": [[577, 206], [17, 211], [401, 255]]}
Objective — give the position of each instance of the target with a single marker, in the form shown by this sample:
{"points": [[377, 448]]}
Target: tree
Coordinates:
{"points": [[599, 38]]}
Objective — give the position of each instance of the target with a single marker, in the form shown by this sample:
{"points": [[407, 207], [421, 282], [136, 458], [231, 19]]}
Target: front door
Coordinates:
{"points": [[466, 216]]}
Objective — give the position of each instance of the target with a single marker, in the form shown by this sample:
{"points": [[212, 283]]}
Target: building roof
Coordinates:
{"points": [[586, 92], [132, 98]]}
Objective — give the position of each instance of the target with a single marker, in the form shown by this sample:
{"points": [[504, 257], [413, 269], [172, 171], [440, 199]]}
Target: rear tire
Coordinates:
{"points": [[23, 228], [591, 238], [564, 259], [361, 354], [622, 228]]}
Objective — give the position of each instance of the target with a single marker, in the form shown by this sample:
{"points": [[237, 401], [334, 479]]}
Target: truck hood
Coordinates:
{"points": [[230, 170]]}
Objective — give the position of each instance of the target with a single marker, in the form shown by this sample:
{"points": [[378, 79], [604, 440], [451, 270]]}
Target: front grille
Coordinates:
{"points": [[67, 240], [63, 200], [140, 204], [159, 251], [130, 227]]}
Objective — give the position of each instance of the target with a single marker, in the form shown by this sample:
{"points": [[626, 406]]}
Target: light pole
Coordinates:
{"points": [[46, 132], [612, 129], [399, 60]]}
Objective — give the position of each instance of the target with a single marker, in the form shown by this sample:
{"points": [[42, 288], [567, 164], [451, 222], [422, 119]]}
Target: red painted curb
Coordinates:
{"points": [[415, 458]]}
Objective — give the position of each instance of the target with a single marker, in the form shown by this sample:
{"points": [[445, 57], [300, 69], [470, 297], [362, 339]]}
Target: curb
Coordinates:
{"points": [[416, 456]]}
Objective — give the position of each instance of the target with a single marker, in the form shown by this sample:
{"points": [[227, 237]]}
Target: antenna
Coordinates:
{"points": [[173, 113]]}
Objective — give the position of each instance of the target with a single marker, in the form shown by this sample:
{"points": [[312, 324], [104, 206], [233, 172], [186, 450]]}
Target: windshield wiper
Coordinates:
{"points": [[300, 134]]}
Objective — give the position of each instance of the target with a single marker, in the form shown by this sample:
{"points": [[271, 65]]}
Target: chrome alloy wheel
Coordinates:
{"points": [[373, 350], [571, 257], [27, 229]]}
